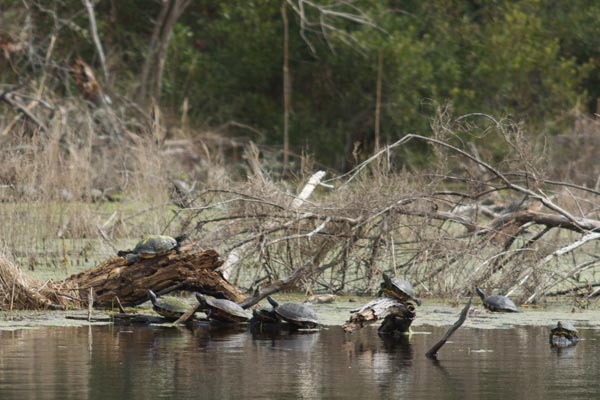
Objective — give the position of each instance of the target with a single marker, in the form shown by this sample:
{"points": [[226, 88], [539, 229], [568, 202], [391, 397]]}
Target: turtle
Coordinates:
{"points": [[222, 310], [152, 246], [295, 314], [563, 334], [398, 289], [497, 303], [168, 307], [264, 320], [264, 316]]}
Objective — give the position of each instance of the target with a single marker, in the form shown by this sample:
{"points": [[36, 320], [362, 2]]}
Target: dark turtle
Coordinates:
{"points": [[264, 321], [298, 315], [497, 303], [152, 246], [264, 316], [563, 334], [222, 310], [168, 307], [398, 289]]}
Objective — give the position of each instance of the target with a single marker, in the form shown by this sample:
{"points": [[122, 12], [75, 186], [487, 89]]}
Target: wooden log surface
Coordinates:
{"points": [[190, 269], [376, 310]]}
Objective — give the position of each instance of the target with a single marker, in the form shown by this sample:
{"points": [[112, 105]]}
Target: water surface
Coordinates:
{"points": [[117, 362]]}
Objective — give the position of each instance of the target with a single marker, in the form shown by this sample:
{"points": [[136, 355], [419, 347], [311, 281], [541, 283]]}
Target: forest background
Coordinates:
{"points": [[535, 61], [267, 93]]}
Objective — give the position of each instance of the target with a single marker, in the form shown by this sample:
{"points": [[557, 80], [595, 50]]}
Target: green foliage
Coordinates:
{"points": [[532, 60]]}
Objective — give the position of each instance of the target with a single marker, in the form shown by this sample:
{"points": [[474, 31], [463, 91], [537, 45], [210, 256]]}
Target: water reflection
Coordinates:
{"points": [[212, 362]]}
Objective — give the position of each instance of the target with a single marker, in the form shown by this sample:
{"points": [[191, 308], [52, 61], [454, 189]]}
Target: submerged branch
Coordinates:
{"points": [[432, 353]]}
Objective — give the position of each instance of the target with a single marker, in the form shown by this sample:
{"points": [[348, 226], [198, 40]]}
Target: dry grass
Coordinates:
{"points": [[433, 225], [17, 292], [49, 182]]}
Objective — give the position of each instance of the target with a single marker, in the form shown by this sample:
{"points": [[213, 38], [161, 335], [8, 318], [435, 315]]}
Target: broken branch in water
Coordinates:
{"points": [[432, 353]]}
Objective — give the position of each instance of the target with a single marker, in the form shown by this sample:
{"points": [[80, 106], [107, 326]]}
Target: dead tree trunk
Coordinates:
{"points": [[190, 269], [391, 310]]}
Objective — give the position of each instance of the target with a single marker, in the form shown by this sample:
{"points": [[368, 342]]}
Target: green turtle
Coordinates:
{"points": [[497, 303], [152, 246], [169, 307], [221, 309], [398, 289], [563, 334]]}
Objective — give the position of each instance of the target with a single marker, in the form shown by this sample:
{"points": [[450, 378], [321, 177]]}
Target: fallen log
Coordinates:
{"points": [[397, 314], [189, 269]]}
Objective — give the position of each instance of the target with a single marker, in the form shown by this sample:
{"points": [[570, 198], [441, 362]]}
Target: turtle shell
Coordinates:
{"points": [[152, 246], [399, 289], [295, 313], [222, 310], [155, 245], [168, 307], [497, 303], [563, 334], [564, 328]]}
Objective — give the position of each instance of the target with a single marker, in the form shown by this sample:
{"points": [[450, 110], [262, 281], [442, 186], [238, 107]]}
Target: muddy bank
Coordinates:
{"points": [[335, 314]]}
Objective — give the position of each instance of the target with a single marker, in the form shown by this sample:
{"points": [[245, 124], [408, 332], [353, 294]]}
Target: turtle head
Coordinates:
{"points": [[201, 299], [131, 258], [387, 281], [181, 238], [480, 293], [272, 302], [178, 240]]}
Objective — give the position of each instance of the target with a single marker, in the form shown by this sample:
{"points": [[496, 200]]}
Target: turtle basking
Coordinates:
{"points": [[497, 303], [295, 314], [222, 310], [398, 289], [261, 315], [563, 334], [168, 307], [152, 246]]}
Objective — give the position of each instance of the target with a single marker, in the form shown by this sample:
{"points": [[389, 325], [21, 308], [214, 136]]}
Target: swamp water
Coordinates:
{"points": [[497, 356]]}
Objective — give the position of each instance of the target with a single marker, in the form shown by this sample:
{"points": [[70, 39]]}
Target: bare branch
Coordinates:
{"points": [[94, 31]]}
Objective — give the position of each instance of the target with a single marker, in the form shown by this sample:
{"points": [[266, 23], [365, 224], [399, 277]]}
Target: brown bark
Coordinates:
{"points": [[86, 82], [190, 269]]}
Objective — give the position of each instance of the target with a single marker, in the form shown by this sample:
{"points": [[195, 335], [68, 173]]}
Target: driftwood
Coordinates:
{"points": [[378, 309], [432, 353], [86, 82], [190, 269]]}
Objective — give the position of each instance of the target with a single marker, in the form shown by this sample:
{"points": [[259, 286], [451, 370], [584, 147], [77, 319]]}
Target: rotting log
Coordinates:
{"points": [[189, 269], [384, 308]]}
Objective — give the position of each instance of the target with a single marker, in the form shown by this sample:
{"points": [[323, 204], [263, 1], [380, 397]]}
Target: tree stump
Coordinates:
{"points": [[397, 316], [189, 269]]}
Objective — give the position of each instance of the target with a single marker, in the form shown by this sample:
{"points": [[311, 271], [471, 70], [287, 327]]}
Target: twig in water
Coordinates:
{"points": [[432, 353], [187, 315]]}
